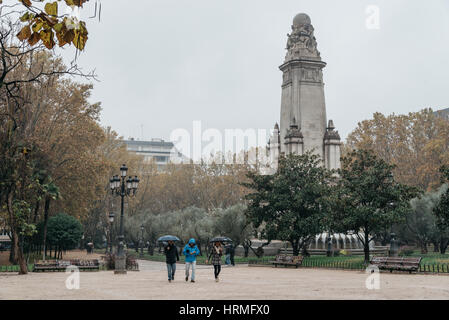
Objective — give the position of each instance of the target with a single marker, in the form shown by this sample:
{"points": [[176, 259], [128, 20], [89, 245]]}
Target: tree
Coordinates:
{"points": [[233, 223], [64, 233], [421, 222], [42, 23], [441, 211], [367, 197], [192, 222], [291, 203], [112, 153], [153, 225], [28, 72], [417, 144]]}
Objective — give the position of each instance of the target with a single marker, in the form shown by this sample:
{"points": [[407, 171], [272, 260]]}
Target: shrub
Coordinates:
{"points": [[405, 251]]}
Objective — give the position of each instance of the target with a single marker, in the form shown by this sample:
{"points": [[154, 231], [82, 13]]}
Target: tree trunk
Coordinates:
{"points": [[436, 246], [295, 247], [199, 247], [246, 251], [46, 209], [305, 252], [423, 245], [36, 211], [19, 252], [366, 247], [16, 245], [12, 252], [443, 245]]}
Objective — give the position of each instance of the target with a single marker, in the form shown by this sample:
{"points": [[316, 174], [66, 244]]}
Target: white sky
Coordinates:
{"points": [[165, 63]]}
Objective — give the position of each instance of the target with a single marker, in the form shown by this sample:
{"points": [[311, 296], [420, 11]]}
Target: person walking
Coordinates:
{"points": [[228, 254], [215, 254], [171, 256], [232, 254], [191, 251]]}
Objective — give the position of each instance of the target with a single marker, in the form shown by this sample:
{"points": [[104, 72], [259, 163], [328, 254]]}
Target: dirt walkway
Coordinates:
{"points": [[237, 283]]}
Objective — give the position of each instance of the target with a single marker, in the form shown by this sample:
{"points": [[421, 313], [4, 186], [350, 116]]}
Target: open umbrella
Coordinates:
{"points": [[220, 239], [168, 238]]}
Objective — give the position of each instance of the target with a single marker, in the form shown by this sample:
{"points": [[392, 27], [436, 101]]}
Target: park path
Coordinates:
{"points": [[241, 282]]}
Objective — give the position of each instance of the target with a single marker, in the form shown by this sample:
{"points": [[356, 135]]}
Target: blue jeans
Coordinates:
{"points": [[188, 265], [228, 259], [171, 268]]}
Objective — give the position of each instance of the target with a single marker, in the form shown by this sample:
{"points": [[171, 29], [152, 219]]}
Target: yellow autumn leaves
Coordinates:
{"points": [[48, 27]]}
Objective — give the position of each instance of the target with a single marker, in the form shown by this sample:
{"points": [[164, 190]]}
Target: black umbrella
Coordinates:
{"points": [[220, 239], [168, 238]]}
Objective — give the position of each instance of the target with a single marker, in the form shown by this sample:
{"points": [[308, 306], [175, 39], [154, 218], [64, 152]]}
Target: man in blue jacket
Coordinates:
{"points": [[191, 251]]}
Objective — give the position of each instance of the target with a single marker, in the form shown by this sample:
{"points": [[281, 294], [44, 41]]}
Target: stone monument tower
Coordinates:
{"points": [[303, 109]]}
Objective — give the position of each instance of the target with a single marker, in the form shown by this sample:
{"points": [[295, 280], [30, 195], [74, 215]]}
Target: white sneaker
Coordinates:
{"points": [[217, 279]]}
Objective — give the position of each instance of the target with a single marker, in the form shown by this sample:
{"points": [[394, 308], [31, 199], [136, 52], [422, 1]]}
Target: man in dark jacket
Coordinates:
{"points": [[171, 256], [232, 254]]}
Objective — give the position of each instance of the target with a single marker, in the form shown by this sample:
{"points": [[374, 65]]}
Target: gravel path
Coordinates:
{"points": [[241, 282]]}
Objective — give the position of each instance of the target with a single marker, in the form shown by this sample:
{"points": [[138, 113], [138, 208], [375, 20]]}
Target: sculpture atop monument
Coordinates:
{"points": [[301, 42], [303, 124]]}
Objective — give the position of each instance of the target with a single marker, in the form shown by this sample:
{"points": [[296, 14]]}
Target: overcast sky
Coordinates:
{"points": [[165, 63]]}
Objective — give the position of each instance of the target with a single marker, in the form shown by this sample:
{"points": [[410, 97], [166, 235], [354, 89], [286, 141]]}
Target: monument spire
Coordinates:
{"points": [[303, 124]]}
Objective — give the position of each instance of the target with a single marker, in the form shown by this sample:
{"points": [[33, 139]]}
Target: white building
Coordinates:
{"points": [[162, 152]]}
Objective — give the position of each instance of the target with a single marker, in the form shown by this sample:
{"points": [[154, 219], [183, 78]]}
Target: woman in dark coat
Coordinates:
{"points": [[215, 254]]}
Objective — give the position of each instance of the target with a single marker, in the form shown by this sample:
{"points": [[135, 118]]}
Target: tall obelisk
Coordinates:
{"points": [[303, 109]]}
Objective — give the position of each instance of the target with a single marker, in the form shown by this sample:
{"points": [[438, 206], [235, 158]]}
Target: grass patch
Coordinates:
{"points": [[15, 268]]}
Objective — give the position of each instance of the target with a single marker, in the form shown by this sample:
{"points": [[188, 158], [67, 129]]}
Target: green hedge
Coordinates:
{"points": [[15, 268]]}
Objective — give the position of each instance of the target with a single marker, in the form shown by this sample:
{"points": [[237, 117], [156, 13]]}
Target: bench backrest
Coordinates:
{"points": [[288, 259], [396, 260], [46, 262]]}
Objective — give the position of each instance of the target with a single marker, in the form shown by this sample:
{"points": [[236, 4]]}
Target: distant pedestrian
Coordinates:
{"points": [[215, 254], [90, 248], [231, 254], [171, 256], [191, 251], [228, 254]]}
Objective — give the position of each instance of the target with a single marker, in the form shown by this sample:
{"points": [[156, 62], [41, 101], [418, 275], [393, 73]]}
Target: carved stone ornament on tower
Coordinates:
{"points": [[301, 42]]}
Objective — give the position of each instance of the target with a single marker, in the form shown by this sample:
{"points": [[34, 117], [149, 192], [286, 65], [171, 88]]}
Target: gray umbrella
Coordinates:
{"points": [[168, 238], [220, 239]]}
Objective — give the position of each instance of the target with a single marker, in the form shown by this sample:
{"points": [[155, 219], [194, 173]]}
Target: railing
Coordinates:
{"points": [[434, 267], [316, 263], [260, 261], [350, 265]]}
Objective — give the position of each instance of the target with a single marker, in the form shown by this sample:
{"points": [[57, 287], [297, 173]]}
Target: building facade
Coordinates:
{"points": [[303, 123], [443, 113], [157, 150]]}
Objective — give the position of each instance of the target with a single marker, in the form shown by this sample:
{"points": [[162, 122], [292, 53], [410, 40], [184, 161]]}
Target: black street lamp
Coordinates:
{"points": [[111, 221], [120, 186], [141, 240]]}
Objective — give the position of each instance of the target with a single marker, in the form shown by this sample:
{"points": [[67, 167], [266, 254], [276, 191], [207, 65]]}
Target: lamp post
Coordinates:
{"points": [[111, 220], [141, 240], [120, 186]]}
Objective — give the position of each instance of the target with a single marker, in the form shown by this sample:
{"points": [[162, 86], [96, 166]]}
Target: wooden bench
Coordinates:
{"points": [[286, 260], [397, 263], [46, 265], [61, 265]]}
